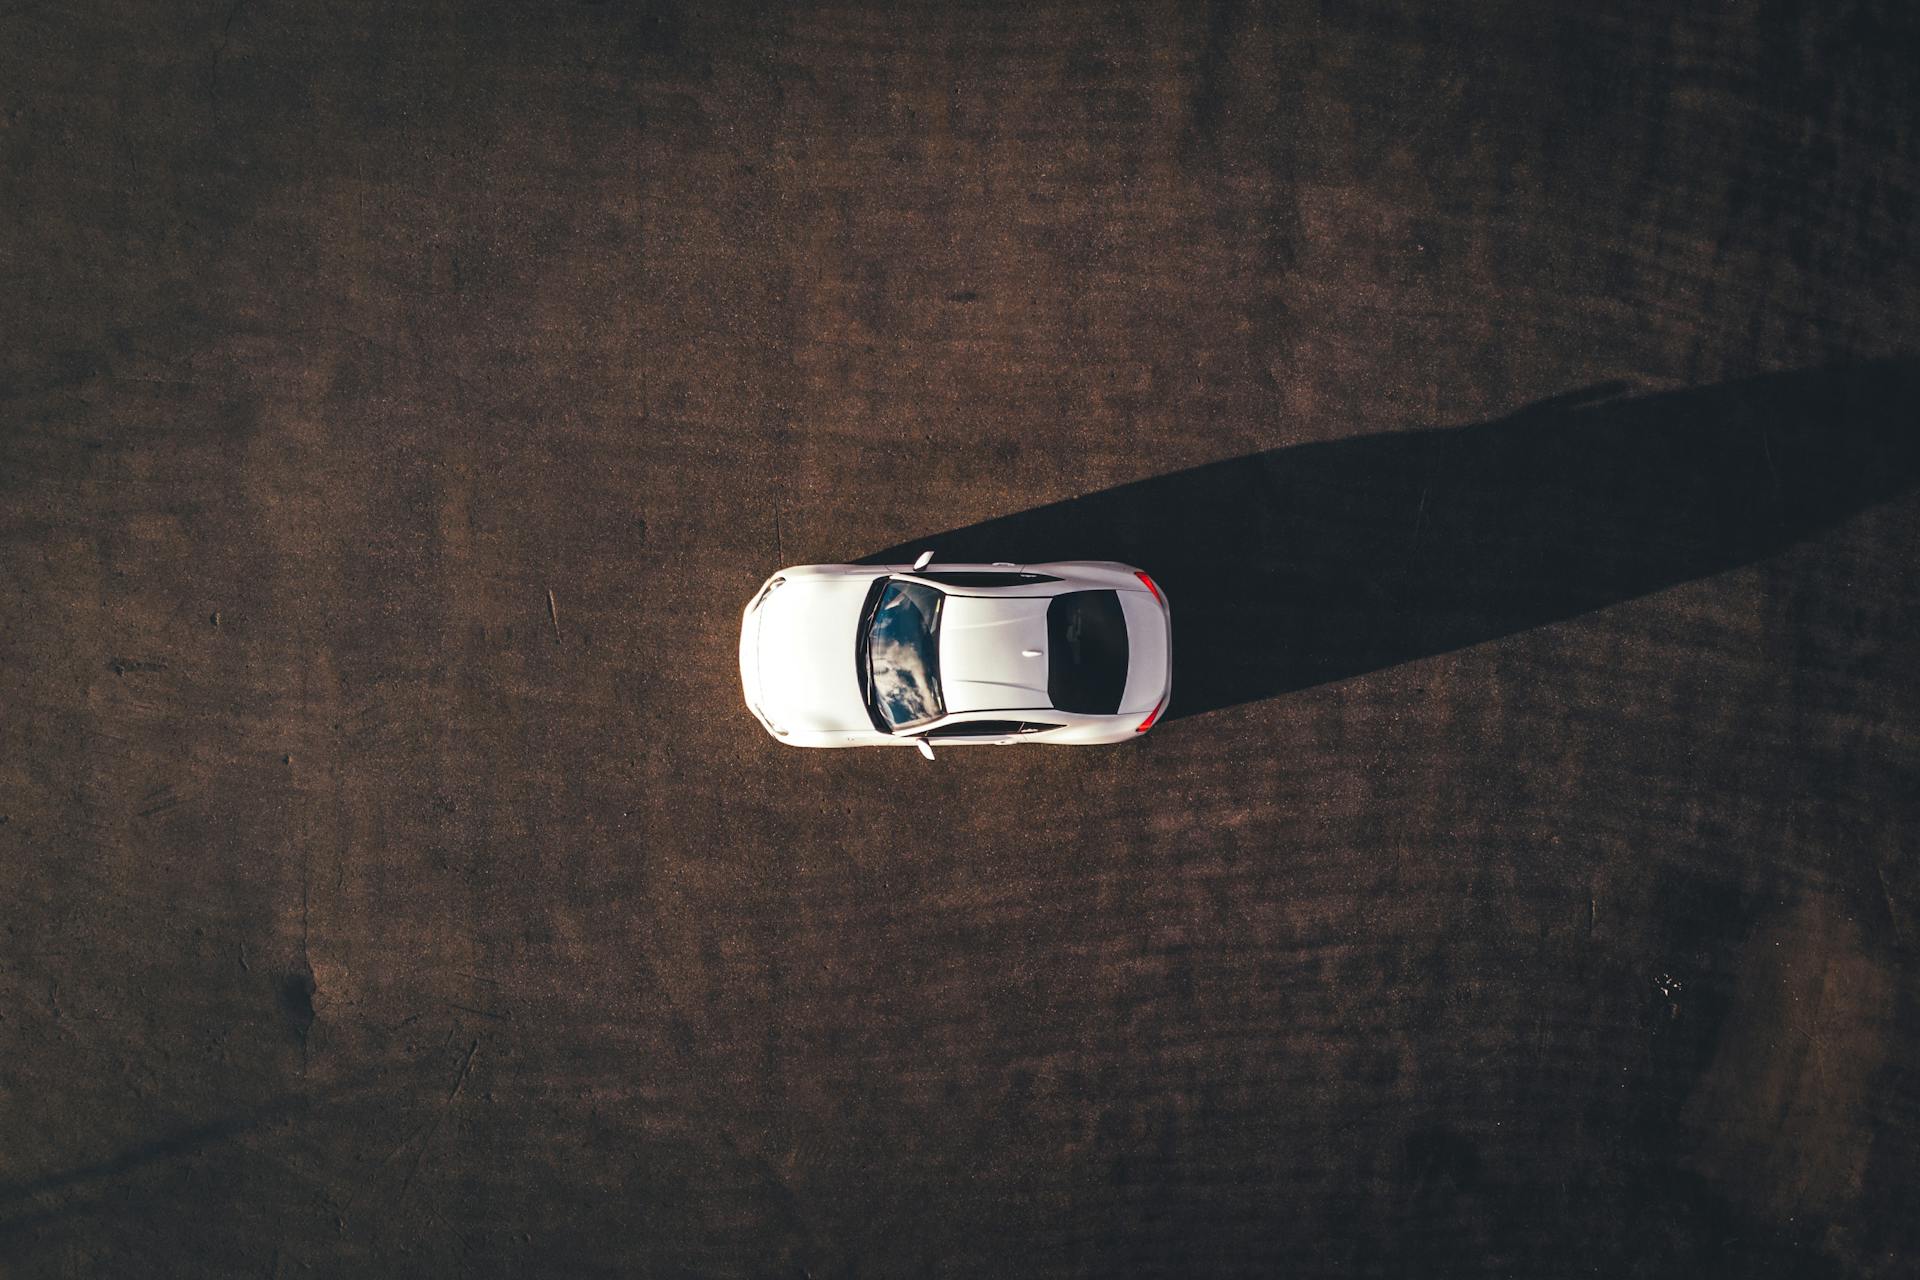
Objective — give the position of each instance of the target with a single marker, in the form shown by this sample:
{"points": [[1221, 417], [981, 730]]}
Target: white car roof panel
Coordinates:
{"points": [[993, 652]]}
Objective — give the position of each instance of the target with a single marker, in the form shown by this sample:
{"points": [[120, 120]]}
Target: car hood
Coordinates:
{"points": [[985, 642], [803, 672]]}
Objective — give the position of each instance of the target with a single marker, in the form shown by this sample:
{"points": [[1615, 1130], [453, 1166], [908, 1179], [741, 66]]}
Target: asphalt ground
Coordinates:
{"points": [[398, 405]]}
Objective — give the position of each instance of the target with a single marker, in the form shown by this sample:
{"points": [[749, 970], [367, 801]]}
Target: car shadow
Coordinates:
{"points": [[1313, 563]]}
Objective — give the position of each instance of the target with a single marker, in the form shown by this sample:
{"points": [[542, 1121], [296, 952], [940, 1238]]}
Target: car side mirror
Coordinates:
{"points": [[924, 559], [926, 748]]}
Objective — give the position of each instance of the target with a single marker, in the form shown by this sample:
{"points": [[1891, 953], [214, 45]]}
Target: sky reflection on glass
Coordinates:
{"points": [[903, 656]]}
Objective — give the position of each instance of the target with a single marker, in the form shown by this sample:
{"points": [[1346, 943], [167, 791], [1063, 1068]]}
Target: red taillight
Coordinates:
{"points": [[1151, 715], [1156, 595]]}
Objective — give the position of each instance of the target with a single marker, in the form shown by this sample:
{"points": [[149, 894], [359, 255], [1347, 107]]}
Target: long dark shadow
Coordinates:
{"points": [[1302, 565]]}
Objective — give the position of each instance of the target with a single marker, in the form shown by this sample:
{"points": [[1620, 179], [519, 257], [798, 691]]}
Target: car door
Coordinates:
{"points": [[999, 733], [976, 578], [973, 732]]}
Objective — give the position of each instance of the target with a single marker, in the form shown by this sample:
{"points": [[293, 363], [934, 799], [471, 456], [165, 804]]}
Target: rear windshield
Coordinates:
{"points": [[1087, 652]]}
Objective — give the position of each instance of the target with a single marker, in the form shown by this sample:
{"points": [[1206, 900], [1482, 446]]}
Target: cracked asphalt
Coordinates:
{"points": [[398, 405]]}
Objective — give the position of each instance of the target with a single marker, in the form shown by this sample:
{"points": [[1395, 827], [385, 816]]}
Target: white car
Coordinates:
{"points": [[848, 655]]}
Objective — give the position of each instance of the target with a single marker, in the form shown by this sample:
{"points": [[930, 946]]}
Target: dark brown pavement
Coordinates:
{"points": [[399, 403]]}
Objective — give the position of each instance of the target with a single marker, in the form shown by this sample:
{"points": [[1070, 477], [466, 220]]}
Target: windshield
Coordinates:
{"points": [[903, 655]]}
